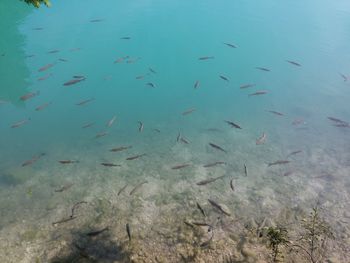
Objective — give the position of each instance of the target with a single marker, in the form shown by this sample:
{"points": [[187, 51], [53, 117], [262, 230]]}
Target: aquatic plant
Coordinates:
{"points": [[277, 237], [37, 3]]}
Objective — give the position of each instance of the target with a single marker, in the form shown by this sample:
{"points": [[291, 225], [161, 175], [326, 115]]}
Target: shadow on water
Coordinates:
{"points": [[14, 73]]}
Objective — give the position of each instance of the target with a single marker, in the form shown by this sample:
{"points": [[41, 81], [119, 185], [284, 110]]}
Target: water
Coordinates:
{"points": [[169, 37]]}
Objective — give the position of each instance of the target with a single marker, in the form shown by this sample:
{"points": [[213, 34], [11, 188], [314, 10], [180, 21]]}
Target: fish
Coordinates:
{"points": [[200, 224], [196, 84], [294, 153], [180, 166], [38, 28], [139, 77], [278, 162], [46, 67], [150, 84], [73, 81], [75, 206], [43, 106], [210, 180], [298, 122], [140, 126], [29, 95], [245, 86], [95, 233], [20, 123], [189, 111], [101, 134], [119, 60], [33, 160], [120, 148], [234, 125], [64, 188], [110, 165], [345, 78], [68, 161], [53, 51], [64, 220], [336, 120], [219, 207], [75, 49], [178, 138], [122, 189], [111, 121], [288, 173], [342, 125], [96, 20], [230, 45], [261, 139], [132, 60], [182, 139], [245, 170], [224, 78], [276, 113], [30, 56], [88, 125], [157, 130], [152, 70], [213, 130], [206, 58], [201, 209], [217, 147], [137, 187], [213, 164], [260, 92], [231, 185], [63, 59], [128, 231], [125, 38], [263, 69], [293, 63], [81, 103], [78, 77], [135, 157], [44, 77]]}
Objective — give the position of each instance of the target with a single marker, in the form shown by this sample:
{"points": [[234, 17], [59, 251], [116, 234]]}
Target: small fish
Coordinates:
{"points": [[88, 125], [140, 77], [38, 28], [132, 60], [263, 69], [68, 161], [140, 126], [53, 51], [293, 63], [152, 70], [29, 96], [81, 103], [44, 77], [111, 121], [294, 153], [125, 38], [30, 56], [157, 130], [137, 187], [128, 231], [135, 157], [73, 81], [78, 77], [180, 166], [345, 78], [121, 148], [219, 207], [246, 86], [261, 139], [336, 120], [230, 45], [342, 125], [213, 164], [20, 123], [101, 134], [278, 162], [33, 160], [217, 147], [182, 139], [119, 60], [122, 189], [276, 113], [201, 209], [245, 170], [206, 58], [95, 233], [75, 206], [63, 59], [234, 125], [110, 165], [150, 84], [96, 20], [231, 185], [189, 111], [224, 78], [178, 138], [210, 180], [196, 84], [64, 188], [260, 92], [64, 220], [288, 173], [213, 130]]}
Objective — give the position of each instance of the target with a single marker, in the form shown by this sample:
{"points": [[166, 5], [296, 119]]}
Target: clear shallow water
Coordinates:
{"points": [[169, 37]]}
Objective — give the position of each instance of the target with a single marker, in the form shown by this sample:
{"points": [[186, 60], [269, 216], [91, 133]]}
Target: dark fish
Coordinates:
{"points": [[196, 84], [63, 59], [53, 51], [152, 70], [182, 139], [230, 45], [96, 20], [180, 166], [278, 162], [150, 84], [200, 224], [189, 111], [263, 69], [88, 125], [30, 56], [20, 123], [293, 63], [261, 139], [232, 124], [245, 86], [213, 130], [81, 103], [64, 220], [122, 189], [121, 148], [345, 78], [201, 209], [135, 157], [125, 38], [29, 96], [206, 58], [137, 187], [101, 134], [75, 206], [210, 180], [231, 185], [342, 125], [68, 161], [140, 126], [73, 81], [128, 231], [219, 207], [276, 113], [157, 130], [213, 164], [217, 147], [260, 92], [288, 173], [78, 77], [336, 120], [95, 233], [294, 153], [64, 188], [178, 138], [140, 77], [224, 78], [110, 165], [33, 160], [245, 170]]}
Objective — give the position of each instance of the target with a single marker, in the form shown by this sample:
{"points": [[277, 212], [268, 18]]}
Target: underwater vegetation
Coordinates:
{"points": [[37, 3]]}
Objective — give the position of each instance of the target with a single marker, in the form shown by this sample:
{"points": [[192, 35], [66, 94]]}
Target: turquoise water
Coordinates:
{"points": [[140, 61]]}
